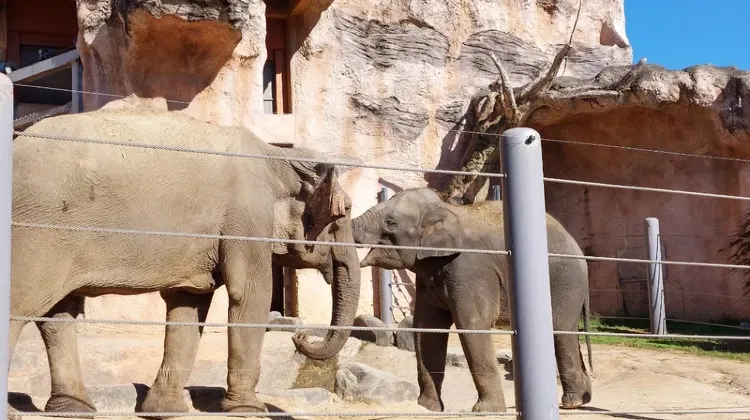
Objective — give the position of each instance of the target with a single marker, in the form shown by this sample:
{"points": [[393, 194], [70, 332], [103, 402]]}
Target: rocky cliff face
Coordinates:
{"points": [[694, 113], [382, 82]]}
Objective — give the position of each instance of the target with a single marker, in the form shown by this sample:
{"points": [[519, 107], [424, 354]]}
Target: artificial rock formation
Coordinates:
{"points": [[693, 113], [392, 83], [380, 82]]}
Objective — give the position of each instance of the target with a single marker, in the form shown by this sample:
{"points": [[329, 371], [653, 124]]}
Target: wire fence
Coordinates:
{"points": [[355, 328], [408, 414], [503, 252]]}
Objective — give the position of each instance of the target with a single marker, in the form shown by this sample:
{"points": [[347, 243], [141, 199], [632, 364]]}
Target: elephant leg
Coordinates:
{"points": [[576, 383], [246, 269], [68, 393], [431, 349], [481, 358], [14, 332], [180, 349]]}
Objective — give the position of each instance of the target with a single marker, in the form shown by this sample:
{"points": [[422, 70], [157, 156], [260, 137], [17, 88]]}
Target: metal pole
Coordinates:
{"points": [[657, 310], [76, 103], [524, 214], [386, 293], [496, 192], [6, 198]]}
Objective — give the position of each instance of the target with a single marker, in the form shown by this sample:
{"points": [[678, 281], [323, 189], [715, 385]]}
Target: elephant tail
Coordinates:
{"points": [[586, 316]]}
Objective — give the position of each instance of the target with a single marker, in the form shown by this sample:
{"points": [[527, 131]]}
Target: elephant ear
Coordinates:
{"points": [[325, 200], [440, 229]]}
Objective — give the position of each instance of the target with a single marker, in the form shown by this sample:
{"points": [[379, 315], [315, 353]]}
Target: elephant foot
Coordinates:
{"points": [[251, 404], [69, 404], [161, 403], [431, 403], [572, 400], [489, 406]]}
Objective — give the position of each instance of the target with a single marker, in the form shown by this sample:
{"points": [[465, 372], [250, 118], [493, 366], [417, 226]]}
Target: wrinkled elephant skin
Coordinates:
{"points": [[136, 188], [470, 290]]}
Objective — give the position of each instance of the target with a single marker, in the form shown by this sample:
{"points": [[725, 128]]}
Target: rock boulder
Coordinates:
{"points": [[381, 337], [405, 339], [360, 382], [284, 320]]}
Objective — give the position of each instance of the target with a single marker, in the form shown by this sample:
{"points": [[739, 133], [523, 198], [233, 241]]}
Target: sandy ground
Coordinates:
{"points": [[625, 379]]}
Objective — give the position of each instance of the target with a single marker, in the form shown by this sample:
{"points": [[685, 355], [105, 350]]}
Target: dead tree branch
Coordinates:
{"points": [[542, 83], [575, 25], [503, 107]]}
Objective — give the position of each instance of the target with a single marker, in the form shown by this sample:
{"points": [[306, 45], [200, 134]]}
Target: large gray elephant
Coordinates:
{"points": [[470, 290], [84, 184]]}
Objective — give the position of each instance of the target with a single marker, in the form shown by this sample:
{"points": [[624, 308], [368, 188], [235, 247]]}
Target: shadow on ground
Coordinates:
{"points": [[22, 402], [604, 412], [206, 399]]}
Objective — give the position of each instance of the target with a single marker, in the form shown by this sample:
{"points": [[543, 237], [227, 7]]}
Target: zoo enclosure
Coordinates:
{"points": [[523, 192]]}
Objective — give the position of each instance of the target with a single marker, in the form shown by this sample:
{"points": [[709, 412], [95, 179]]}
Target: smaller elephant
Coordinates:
{"points": [[470, 290]]}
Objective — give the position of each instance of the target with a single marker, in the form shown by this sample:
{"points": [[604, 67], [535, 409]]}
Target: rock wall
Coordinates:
{"points": [[383, 82], [698, 111]]}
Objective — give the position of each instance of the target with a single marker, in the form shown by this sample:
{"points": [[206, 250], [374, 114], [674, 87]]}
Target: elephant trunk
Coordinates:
{"points": [[345, 297], [366, 228]]}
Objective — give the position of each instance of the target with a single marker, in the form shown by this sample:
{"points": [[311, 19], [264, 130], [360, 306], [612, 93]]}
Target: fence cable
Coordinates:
{"points": [[246, 155], [386, 413], [92, 229], [612, 146], [369, 166], [645, 261], [363, 328], [641, 149], [274, 414], [87, 92], [646, 189], [254, 325]]}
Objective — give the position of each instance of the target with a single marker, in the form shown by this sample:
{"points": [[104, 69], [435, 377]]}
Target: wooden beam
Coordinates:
{"points": [[276, 13], [278, 302], [375, 291], [75, 83], [291, 40], [44, 67], [299, 6], [12, 47], [291, 306], [278, 61], [3, 30]]}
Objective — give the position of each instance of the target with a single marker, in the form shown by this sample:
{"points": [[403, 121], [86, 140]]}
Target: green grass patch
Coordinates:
{"points": [[727, 349]]}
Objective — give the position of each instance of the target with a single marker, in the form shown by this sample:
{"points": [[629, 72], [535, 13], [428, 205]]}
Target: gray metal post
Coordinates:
{"points": [[496, 192], [657, 309], [386, 293], [76, 104], [534, 365], [6, 182]]}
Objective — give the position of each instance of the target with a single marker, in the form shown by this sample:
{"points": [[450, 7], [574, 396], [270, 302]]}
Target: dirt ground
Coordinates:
{"points": [[625, 379]]}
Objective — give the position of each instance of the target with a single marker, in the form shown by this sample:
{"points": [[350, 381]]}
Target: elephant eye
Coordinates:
{"points": [[391, 224]]}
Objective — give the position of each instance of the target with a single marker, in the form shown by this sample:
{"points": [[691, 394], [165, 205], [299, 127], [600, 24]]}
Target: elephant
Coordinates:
{"points": [[470, 290], [68, 192]]}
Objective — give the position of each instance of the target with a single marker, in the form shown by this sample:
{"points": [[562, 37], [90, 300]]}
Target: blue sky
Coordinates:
{"points": [[681, 33]]}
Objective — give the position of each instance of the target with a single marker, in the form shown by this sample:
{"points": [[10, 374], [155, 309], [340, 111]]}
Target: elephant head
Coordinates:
{"points": [[320, 210], [414, 217]]}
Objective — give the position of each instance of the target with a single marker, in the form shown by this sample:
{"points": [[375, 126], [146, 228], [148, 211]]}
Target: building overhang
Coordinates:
{"points": [[283, 9]]}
